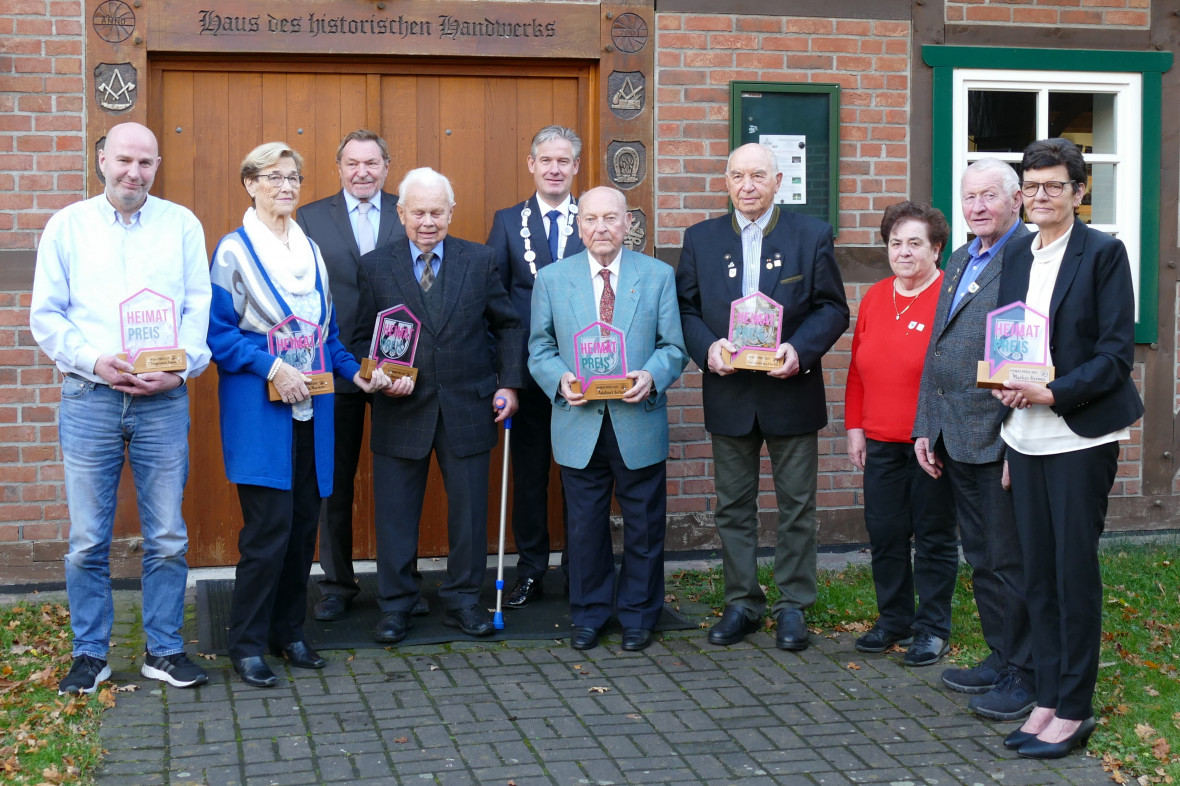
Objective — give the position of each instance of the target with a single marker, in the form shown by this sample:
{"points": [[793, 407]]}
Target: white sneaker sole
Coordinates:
{"points": [[103, 676], [153, 673]]}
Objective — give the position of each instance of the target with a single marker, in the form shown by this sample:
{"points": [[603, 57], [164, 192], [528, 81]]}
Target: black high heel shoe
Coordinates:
{"points": [[1037, 748], [1017, 738]]}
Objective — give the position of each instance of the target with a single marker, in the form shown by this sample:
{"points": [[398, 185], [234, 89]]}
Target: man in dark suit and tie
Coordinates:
{"points": [[527, 237], [606, 446], [789, 258], [346, 226], [453, 287], [957, 431]]}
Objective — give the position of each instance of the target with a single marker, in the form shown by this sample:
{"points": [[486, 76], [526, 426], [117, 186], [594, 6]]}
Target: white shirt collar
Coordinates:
{"points": [[351, 202]]}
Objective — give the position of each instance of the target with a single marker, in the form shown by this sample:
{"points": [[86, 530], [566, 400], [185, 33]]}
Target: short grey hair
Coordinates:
{"points": [[425, 177], [1008, 177], [616, 193], [551, 133], [268, 154], [771, 158]]}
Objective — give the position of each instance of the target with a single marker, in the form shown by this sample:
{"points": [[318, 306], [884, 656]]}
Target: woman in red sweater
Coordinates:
{"points": [[893, 329]]}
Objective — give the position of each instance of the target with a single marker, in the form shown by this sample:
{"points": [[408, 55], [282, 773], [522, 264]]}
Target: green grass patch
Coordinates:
{"points": [[44, 738], [1138, 695]]}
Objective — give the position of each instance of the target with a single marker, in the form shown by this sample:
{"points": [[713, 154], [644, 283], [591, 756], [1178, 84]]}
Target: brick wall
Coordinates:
{"points": [[1052, 13]]}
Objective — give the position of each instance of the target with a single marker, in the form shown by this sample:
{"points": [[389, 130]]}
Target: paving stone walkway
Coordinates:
{"points": [[682, 712]]}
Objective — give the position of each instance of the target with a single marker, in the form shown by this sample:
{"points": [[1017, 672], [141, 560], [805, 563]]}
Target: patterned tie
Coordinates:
{"points": [[554, 232], [427, 279], [606, 306], [364, 228]]}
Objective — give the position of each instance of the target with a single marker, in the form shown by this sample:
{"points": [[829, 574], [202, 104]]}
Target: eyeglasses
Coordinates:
{"points": [[276, 179], [1053, 188]]}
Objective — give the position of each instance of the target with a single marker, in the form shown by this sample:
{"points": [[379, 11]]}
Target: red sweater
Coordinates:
{"points": [[881, 395]]}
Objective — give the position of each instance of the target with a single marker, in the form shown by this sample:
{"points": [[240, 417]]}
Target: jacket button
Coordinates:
{"points": [[940, 391], [937, 354]]}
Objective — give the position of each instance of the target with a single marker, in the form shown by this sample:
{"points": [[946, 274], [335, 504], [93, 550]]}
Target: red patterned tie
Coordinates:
{"points": [[606, 306]]}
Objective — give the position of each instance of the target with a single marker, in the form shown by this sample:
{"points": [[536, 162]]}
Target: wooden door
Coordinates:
{"points": [[470, 120]]}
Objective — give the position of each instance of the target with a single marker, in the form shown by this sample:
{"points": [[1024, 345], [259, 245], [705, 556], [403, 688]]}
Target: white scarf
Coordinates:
{"points": [[292, 265]]}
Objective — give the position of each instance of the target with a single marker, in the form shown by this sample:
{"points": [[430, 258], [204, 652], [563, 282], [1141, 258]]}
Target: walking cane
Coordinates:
{"points": [[498, 620]]}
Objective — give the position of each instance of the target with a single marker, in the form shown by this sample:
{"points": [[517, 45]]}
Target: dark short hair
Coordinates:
{"points": [[363, 135], [1045, 153], [937, 230]]}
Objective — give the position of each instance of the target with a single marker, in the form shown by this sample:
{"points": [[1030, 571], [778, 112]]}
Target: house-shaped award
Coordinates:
{"points": [[755, 327], [300, 343], [395, 341], [1016, 347], [147, 324], [600, 359]]}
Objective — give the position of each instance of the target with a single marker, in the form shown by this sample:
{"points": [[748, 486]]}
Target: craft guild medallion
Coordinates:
{"points": [[636, 237], [115, 86], [629, 33], [628, 93], [626, 163], [113, 21]]}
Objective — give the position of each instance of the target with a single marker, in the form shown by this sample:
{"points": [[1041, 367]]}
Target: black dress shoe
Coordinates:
{"points": [[421, 607], [254, 671], [393, 627], [583, 638], [878, 640], [472, 620], [792, 630], [1036, 748], [1017, 738], [523, 593], [330, 607], [299, 654], [636, 639], [735, 624]]}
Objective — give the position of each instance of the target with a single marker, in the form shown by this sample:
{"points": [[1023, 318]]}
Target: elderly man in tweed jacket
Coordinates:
{"points": [[957, 431]]}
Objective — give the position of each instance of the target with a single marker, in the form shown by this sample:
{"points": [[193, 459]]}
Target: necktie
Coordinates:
{"points": [[554, 232], [364, 229], [427, 279], [606, 306]]}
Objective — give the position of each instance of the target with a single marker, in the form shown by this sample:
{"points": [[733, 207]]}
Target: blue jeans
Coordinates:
{"points": [[97, 426]]}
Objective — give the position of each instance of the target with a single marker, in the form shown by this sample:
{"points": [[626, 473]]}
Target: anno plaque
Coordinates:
{"points": [[395, 341], [601, 360], [755, 326], [147, 323], [300, 344], [1016, 348]]}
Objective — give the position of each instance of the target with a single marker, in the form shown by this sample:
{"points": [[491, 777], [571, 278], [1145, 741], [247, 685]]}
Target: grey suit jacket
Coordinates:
{"points": [[950, 406]]}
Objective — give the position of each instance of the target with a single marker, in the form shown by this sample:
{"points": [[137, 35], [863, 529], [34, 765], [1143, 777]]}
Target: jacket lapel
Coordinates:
{"points": [[389, 219], [1070, 262], [950, 282], [626, 293], [339, 209], [455, 263], [538, 240], [401, 269]]}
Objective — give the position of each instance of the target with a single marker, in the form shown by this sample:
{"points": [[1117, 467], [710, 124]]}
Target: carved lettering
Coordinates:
{"points": [[453, 28], [213, 23]]}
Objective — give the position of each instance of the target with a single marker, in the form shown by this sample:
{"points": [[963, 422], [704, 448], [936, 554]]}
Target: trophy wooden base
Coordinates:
{"points": [[318, 385], [158, 360], [1014, 372], [392, 370], [601, 389], [752, 359]]}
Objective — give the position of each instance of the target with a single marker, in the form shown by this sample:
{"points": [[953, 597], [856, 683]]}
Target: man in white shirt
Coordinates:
{"points": [[93, 256]]}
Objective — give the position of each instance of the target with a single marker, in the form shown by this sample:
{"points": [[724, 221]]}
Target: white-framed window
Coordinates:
{"points": [[998, 112]]}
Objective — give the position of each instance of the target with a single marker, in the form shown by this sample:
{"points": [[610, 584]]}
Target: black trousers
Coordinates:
{"points": [[991, 546], [642, 496], [1061, 502], [336, 525], [276, 544], [903, 502], [532, 454]]}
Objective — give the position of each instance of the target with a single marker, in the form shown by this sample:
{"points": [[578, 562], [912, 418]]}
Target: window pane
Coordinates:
{"points": [[1000, 121], [1100, 198], [1085, 118]]}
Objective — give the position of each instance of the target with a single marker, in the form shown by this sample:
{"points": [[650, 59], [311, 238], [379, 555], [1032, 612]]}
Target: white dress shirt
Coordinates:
{"points": [[89, 261], [563, 221], [752, 249], [596, 277]]}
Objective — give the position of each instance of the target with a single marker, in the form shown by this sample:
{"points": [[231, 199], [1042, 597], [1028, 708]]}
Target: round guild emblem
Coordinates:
{"points": [[629, 33], [113, 21], [626, 163]]}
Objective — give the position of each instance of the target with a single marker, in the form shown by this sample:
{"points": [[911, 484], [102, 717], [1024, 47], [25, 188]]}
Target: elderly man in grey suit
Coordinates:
{"points": [[957, 431]]}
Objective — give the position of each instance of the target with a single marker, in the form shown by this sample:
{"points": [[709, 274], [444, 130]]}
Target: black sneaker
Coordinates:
{"points": [[85, 676], [878, 640], [1011, 699], [175, 669], [977, 679], [926, 650]]}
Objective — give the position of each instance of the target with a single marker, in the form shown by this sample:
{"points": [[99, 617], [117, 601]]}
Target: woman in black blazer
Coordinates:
{"points": [[1062, 438]]}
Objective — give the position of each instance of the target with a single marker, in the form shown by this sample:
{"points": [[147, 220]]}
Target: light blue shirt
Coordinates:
{"points": [[435, 263], [89, 261], [976, 262], [752, 249], [354, 215]]}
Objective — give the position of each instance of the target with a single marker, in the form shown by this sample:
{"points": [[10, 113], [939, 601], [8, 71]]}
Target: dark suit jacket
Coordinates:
{"points": [[457, 372], [326, 222], [804, 279], [950, 405], [1091, 329], [508, 245]]}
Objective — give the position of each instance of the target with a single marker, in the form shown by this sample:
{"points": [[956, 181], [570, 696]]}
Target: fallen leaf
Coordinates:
{"points": [[852, 666], [433, 667], [1144, 730], [1160, 749], [634, 716], [401, 740], [1151, 691], [598, 689]]}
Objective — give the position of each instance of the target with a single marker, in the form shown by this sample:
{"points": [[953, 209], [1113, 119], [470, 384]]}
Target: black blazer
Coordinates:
{"points": [[458, 371], [802, 277], [1091, 329], [326, 222]]}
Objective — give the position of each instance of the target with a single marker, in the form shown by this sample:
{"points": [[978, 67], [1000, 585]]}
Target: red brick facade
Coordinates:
{"points": [[1052, 13]]}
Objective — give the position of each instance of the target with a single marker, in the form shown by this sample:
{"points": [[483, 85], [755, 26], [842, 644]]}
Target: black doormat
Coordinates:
{"points": [[547, 618]]}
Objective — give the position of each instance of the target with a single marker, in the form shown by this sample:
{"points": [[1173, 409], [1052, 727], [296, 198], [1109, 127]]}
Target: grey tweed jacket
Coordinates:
{"points": [[950, 406]]}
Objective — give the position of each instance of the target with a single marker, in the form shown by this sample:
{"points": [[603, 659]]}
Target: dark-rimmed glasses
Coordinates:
{"points": [[276, 179], [1053, 188]]}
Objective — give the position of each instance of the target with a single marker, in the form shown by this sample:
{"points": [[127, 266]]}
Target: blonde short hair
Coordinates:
{"points": [[268, 154]]}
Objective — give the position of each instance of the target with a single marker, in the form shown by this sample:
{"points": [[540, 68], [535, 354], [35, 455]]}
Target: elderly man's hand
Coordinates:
{"points": [[790, 358], [511, 404], [928, 460], [567, 392], [716, 360], [644, 384]]}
